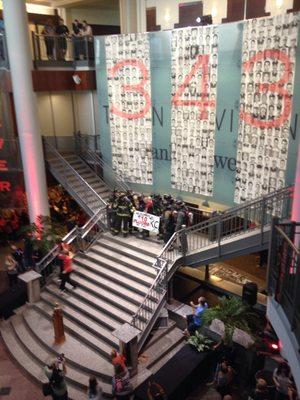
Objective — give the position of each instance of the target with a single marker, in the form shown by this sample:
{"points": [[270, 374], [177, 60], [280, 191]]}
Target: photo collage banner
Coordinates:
{"points": [[202, 110], [267, 85], [129, 92], [193, 115]]}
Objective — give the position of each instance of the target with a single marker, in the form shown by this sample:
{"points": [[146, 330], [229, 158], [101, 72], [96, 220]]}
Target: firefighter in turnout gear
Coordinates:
{"points": [[124, 211]]}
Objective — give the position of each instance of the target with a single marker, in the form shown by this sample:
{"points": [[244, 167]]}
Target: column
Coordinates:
{"points": [[141, 16], [133, 16], [16, 27]]}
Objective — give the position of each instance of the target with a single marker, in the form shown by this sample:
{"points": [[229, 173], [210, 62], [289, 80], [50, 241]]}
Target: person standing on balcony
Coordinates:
{"points": [[77, 39], [87, 34], [63, 32], [49, 33]]}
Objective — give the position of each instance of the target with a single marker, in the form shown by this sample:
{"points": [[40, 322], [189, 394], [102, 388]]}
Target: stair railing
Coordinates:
{"points": [[81, 239], [64, 175], [89, 153], [257, 214]]}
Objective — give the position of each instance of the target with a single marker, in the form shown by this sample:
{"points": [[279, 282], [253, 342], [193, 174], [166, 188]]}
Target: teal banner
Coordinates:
{"points": [[195, 115]]}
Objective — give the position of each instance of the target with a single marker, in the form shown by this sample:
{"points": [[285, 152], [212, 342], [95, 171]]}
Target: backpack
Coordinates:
{"points": [[122, 385]]}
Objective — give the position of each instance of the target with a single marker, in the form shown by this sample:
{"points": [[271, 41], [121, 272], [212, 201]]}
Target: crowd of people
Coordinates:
{"points": [[282, 386], [173, 213], [55, 38], [122, 388]]}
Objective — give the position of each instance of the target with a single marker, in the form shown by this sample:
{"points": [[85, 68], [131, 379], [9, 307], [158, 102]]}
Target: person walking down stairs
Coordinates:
{"points": [[67, 268]]}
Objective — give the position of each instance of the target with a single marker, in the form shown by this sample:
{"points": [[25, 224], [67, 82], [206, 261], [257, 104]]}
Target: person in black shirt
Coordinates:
{"points": [[77, 39], [62, 31]]}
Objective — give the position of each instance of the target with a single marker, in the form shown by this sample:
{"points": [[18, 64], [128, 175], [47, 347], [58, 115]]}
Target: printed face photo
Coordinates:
{"points": [[266, 143]]}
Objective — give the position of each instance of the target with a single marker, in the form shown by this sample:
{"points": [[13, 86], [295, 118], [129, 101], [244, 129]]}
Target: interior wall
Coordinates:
{"points": [[97, 16], [63, 113], [167, 13]]}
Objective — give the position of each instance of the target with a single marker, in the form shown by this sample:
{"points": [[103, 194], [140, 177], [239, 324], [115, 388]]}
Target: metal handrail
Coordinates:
{"points": [[78, 176], [236, 209], [82, 149], [168, 255], [50, 256], [76, 234]]}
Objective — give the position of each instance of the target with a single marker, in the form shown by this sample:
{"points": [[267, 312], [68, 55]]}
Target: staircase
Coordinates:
{"points": [[240, 230], [81, 182], [113, 277]]}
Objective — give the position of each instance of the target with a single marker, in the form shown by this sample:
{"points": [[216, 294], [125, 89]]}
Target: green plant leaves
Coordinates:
{"points": [[200, 342]]}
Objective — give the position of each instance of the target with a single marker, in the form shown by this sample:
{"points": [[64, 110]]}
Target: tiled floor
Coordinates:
{"points": [[11, 376]]}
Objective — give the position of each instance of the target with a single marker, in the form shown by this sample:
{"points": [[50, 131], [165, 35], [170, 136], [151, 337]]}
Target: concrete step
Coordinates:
{"points": [[112, 276], [77, 354], [76, 375], [100, 190], [163, 347], [82, 320], [116, 300], [133, 271], [70, 301], [90, 273], [122, 249], [28, 364], [91, 340], [115, 256], [99, 303], [136, 247]]}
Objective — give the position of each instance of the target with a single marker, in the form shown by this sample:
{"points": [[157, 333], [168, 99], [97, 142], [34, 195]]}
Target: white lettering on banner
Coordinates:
{"points": [[146, 221]]}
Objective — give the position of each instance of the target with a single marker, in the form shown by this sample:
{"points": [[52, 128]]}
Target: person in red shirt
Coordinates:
{"points": [[67, 268], [118, 359]]}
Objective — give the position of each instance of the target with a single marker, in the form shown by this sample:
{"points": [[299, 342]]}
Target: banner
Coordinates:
{"points": [[194, 91], [203, 111], [129, 92], [268, 71], [146, 221]]}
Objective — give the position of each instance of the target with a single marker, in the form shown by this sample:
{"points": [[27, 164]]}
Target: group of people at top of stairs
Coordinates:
{"points": [[173, 213], [122, 388]]}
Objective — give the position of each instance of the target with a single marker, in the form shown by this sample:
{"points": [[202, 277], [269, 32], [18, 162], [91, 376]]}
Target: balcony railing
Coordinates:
{"points": [[284, 271], [3, 52], [63, 49]]}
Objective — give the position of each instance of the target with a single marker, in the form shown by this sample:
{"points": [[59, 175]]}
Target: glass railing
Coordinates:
{"points": [[62, 48], [284, 271]]}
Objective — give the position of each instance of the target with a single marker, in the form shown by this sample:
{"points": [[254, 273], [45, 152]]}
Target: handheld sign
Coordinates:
{"points": [[146, 221]]}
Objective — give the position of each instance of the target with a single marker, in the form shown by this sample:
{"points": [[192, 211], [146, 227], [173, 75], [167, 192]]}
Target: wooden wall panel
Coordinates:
{"points": [[151, 20], [188, 13], [60, 81], [296, 6], [235, 10], [99, 30], [256, 9]]}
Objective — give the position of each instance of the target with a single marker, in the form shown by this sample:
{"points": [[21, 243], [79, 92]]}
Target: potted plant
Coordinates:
{"points": [[44, 234], [235, 315], [200, 342]]}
